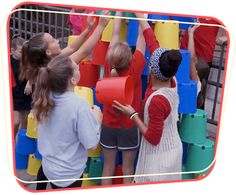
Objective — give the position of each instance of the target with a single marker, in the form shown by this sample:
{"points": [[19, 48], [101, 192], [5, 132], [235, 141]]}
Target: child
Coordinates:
{"points": [[21, 102], [161, 147], [67, 127], [204, 44], [118, 131], [194, 63], [76, 21], [39, 50]]}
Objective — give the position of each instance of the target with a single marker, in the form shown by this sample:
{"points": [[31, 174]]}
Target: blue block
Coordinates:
{"points": [[132, 32], [146, 68], [183, 73], [25, 145], [37, 154], [158, 17], [95, 102], [185, 152], [21, 161], [184, 19], [187, 97]]}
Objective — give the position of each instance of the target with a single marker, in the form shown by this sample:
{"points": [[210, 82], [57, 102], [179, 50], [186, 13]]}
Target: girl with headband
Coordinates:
{"points": [[161, 147]]}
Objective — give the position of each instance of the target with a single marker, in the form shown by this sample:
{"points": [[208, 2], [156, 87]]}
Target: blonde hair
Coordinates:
{"points": [[119, 57]]}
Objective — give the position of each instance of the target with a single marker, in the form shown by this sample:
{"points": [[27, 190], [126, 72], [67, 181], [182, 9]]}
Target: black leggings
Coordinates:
{"points": [[43, 186]]}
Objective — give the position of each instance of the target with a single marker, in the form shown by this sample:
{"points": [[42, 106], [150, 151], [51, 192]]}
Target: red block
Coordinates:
{"points": [[100, 52], [118, 172], [89, 74]]}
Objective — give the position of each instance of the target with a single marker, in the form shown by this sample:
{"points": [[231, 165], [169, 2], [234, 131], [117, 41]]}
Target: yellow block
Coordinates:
{"points": [[167, 33], [71, 39], [33, 165], [86, 183], [31, 126], [95, 153], [86, 93], [107, 32]]}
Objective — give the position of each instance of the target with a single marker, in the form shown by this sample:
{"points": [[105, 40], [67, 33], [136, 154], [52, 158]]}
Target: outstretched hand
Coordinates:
{"points": [[103, 21], [192, 28], [138, 15], [91, 21], [126, 109]]}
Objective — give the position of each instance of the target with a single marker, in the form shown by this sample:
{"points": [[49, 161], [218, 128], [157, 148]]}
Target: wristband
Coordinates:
{"points": [[132, 115]]}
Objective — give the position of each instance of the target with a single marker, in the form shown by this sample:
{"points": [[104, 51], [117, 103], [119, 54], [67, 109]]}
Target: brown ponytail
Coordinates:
{"points": [[53, 78], [33, 57], [42, 105]]}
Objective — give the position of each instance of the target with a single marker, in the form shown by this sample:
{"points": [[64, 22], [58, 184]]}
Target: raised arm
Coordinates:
{"points": [[91, 42], [70, 49], [149, 36], [141, 45], [191, 48], [143, 23], [116, 31]]}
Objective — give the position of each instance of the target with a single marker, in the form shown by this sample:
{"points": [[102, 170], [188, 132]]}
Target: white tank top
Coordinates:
{"points": [[166, 157]]}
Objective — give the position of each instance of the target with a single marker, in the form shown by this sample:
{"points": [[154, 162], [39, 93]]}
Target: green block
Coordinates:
{"points": [[192, 128], [186, 175], [95, 168], [200, 156], [128, 14], [113, 13]]}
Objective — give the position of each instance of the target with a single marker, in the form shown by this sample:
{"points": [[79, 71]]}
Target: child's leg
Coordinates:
{"points": [[41, 177], [109, 145], [16, 122], [23, 119], [128, 143], [128, 158], [109, 165]]}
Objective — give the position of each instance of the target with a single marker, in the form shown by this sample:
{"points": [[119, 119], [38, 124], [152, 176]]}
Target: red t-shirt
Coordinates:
{"points": [[151, 40], [112, 117], [204, 39], [158, 110]]}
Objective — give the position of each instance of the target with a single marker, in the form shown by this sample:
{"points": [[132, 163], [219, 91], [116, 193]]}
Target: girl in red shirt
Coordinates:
{"points": [[161, 147], [118, 131]]}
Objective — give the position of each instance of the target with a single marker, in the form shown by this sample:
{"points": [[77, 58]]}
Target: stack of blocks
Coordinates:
{"points": [[198, 151], [167, 34], [26, 152]]}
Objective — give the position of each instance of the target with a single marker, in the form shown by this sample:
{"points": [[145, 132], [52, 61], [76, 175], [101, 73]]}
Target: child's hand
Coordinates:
{"points": [[98, 113], [103, 21], [192, 29], [221, 40], [126, 109], [138, 15], [90, 21], [28, 88]]}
